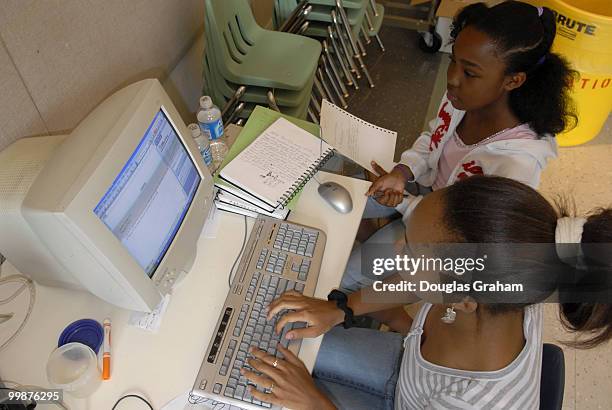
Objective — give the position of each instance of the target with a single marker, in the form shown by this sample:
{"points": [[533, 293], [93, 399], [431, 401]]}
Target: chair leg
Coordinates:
{"points": [[380, 43], [299, 10], [347, 29], [368, 20], [320, 89], [350, 81], [373, 6], [335, 71], [232, 101], [239, 122], [328, 92], [235, 113], [315, 104], [272, 101], [312, 116], [345, 48], [365, 35], [303, 29], [332, 81], [361, 47]]}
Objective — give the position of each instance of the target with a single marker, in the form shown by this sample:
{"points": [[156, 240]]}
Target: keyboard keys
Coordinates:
{"points": [[239, 392], [278, 269]]}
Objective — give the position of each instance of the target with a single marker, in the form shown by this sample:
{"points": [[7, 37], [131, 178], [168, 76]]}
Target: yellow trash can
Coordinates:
{"points": [[584, 37]]}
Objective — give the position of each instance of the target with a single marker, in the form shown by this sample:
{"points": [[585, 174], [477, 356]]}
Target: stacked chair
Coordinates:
{"points": [[245, 65], [342, 26]]}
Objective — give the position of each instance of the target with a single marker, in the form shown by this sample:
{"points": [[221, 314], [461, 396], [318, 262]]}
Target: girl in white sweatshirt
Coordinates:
{"points": [[507, 97]]}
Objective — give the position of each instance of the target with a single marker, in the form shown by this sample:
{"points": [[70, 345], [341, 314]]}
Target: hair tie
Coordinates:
{"points": [[540, 11], [541, 60], [569, 231]]}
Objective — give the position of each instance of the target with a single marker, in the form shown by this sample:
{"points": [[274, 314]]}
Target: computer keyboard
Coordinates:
{"points": [[279, 256]]}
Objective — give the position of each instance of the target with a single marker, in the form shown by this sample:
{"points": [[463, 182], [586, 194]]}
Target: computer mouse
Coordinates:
{"points": [[337, 196]]}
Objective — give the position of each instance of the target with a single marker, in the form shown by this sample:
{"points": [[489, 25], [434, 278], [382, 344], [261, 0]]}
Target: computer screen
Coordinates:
{"points": [[148, 200], [116, 207]]}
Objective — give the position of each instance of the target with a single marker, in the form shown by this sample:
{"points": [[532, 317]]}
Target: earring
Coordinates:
{"points": [[450, 315]]}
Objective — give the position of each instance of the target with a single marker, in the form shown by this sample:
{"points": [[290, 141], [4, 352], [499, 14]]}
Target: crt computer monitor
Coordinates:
{"points": [[118, 207]]}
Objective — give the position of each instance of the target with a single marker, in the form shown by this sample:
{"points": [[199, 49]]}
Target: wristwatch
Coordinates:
{"points": [[341, 301]]}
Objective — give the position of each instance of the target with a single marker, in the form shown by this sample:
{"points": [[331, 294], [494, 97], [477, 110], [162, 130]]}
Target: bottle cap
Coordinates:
{"points": [[206, 102], [195, 130]]}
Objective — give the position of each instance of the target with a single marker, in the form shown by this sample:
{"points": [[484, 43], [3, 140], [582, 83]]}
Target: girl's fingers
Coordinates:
{"points": [[289, 356], [267, 397], [285, 302], [291, 317], [267, 369], [262, 381], [378, 169]]}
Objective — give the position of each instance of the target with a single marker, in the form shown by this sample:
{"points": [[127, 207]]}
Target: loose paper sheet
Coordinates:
{"points": [[357, 139]]}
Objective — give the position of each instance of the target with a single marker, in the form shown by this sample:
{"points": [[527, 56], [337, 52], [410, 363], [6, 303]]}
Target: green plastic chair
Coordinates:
{"points": [[249, 55], [285, 98], [213, 85], [251, 98]]}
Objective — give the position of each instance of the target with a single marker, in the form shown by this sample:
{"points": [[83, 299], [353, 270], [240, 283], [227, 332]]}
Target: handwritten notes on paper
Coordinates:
{"points": [[278, 159], [357, 139]]}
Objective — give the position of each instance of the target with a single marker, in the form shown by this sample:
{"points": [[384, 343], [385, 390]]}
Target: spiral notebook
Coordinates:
{"points": [[275, 166]]}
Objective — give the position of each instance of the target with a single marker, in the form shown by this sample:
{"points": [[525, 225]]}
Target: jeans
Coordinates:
{"points": [[358, 368], [392, 233]]}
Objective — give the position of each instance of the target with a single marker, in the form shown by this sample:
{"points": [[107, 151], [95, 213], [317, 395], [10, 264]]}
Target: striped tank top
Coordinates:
{"points": [[424, 385]]}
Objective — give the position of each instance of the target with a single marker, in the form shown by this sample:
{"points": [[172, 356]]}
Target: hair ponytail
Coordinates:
{"points": [[523, 39], [592, 320]]}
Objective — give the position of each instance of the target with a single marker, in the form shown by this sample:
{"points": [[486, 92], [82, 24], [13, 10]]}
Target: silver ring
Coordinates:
{"points": [[275, 363]]}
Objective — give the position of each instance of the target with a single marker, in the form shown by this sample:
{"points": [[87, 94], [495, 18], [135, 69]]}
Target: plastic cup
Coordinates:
{"points": [[73, 368]]}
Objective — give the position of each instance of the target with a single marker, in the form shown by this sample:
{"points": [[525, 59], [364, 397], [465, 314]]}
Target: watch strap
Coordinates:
{"points": [[341, 300]]}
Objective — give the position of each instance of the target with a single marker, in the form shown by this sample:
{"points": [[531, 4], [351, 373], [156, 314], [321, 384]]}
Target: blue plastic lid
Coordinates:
{"points": [[86, 331]]}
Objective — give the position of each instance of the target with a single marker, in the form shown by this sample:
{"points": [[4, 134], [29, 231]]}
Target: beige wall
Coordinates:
{"points": [[60, 58]]}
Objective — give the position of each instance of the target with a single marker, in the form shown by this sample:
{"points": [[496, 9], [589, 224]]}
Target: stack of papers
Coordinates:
{"points": [[275, 155]]}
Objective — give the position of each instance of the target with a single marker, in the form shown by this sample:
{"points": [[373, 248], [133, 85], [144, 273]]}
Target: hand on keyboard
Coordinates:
{"points": [[320, 315], [286, 383]]}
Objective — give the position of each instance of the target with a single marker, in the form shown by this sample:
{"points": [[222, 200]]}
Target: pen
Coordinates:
{"points": [[106, 356]]}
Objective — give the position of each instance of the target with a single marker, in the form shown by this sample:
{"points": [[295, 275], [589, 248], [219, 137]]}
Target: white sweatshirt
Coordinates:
{"points": [[520, 159]]}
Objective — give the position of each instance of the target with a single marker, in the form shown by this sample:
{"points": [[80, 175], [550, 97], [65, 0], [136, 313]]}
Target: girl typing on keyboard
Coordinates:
{"points": [[468, 354]]}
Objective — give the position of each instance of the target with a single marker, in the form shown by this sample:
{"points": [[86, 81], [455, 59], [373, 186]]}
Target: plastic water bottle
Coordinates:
{"points": [[211, 124], [203, 144]]}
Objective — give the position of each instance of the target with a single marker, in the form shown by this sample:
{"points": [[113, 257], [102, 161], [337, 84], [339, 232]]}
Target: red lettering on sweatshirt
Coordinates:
{"points": [[436, 137], [469, 169]]}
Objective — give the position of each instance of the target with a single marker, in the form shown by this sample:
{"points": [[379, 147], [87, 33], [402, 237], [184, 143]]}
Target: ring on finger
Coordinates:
{"points": [[275, 364], [271, 389]]}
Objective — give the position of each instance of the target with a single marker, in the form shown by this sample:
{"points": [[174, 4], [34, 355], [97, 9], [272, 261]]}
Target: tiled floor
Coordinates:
{"points": [[409, 85]]}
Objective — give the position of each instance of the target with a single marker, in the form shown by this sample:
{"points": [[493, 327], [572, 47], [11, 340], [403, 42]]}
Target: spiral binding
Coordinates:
{"points": [[305, 177], [358, 119]]}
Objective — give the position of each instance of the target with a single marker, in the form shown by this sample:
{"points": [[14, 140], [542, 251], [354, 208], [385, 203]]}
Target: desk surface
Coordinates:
{"points": [[163, 365]]}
